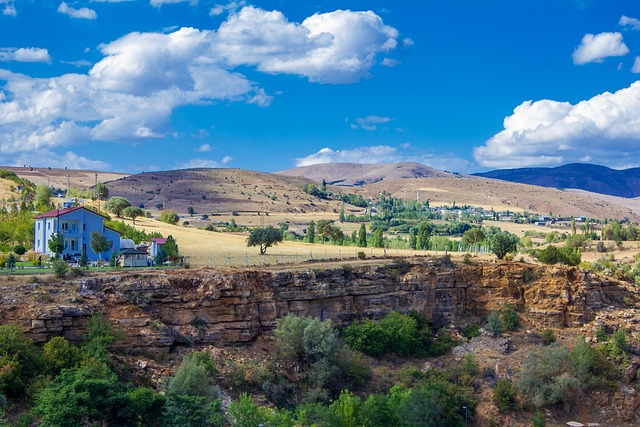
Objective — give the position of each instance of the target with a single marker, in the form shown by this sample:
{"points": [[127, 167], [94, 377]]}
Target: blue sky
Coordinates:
{"points": [[459, 85]]}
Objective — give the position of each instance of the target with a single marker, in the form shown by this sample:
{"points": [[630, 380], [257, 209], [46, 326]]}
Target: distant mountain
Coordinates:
{"points": [[593, 178], [358, 174]]}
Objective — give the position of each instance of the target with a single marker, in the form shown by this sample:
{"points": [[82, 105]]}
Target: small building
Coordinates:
{"points": [[156, 244], [133, 258], [76, 224]]}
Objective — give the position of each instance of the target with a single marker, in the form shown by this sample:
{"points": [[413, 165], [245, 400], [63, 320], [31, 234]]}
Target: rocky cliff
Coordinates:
{"points": [[161, 309]]}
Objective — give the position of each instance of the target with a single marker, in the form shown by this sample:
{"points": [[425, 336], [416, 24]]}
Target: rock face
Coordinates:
{"points": [[160, 309]]}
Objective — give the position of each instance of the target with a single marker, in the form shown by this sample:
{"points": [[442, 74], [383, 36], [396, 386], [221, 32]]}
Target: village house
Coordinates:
{"points": [[76, 224]]}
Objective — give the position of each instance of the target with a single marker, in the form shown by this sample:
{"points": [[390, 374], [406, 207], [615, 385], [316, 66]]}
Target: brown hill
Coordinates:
{"points": [[356, 174], [219, 191], [60, 178]]}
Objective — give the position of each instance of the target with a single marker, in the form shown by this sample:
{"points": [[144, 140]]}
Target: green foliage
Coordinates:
{"points": [[510, 317], [170, 247], [160, 256], [505, 395], [265, 238], [60, 268], [311, 232], [145, 406], [471, 331], [553, 255], [545, 377], [539, 420], [169, 216], [19, 249], [362, 236], [84, 260], [245, 412], [100, 335], [56, 243], [502, 243], [58, 354], [43, 198], [547, 337], [422, 239], [11, 261], [494, 324], [100, 191], [117, 205], [192, 397], [20, 361], [378, 240], [99, 243], [403, 334], [82, 395], [133, 212]]}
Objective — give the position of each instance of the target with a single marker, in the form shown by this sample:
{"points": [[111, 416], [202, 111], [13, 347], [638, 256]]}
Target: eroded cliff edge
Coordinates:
{"points": [[161, 309]]}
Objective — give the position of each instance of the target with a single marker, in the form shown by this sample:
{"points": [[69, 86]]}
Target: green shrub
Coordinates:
{"points": [[20, 361], [548, 337], [494, 324], [471, 331], [367, 336], [505, 395], [510, 318], [60, 268]]}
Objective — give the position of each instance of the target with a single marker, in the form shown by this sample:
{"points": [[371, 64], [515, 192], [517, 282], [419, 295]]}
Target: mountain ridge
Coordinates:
{"points": [[582, 176]]}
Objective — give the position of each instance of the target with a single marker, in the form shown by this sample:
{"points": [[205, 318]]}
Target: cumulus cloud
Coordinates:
{"points": [[204, 148], [594, 48], [79, 63], [631, 23], [28, 54], [335, 47], [385, 154], [370, 123], [82, 13], [389, 62], [636, 65], [605, 127], [131, 93], [9, 8]]}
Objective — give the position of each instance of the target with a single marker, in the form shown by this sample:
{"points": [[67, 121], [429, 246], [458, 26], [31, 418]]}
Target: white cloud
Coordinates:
{"points": [[389, 62], [335, 47], [204, 148], [219, 9], [9, 9], [379, 154], [407, 42], [79, 63], [204, 163], [594, 48], [370, 123], [631, 23], [159, 3], [28, 54], [143, 77], [605, 127], [636, 65], [82, 13]]}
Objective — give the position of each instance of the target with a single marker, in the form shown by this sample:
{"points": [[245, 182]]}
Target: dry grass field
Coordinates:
{"points": [[59, 178]]}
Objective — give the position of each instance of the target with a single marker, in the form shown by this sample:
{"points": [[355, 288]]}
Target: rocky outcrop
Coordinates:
{"points": [[160, 309]]}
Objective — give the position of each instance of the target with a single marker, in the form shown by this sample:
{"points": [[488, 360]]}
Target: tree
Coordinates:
{"points": [[265, 238], [472, 237], [502, 243], [56, 243], [169, 216], [117, 204], [323, 227], [101, 191], [378, 240], [132, 212], [170, 247], [413, 238], [191, 210], [311, 232], [99, 243], [424, 231], [11, 261], [43, 197], [362, 236], [84, 260]]}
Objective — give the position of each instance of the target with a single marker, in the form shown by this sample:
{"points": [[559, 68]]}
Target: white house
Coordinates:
{"points": [[76, 224], [156, 244]]}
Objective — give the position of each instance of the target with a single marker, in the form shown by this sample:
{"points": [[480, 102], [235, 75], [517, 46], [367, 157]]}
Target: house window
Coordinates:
{"points": [[84, 227], [73, 245], [65, 226], [38, 226], [48, 226], [38, 244]]}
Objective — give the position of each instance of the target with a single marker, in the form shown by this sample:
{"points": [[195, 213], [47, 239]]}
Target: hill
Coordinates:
{"points": [[60, 178], [219, 191], [356, 174], [588, 177]]}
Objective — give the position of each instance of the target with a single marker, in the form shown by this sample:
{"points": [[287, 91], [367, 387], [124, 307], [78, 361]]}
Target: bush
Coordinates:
{"points": [[494, 324], [19, 249], [509, 316], [362, 255], [367, 336], [548, 337], [505, 395], [169, 216], [20, 361], [60, 268], [471, 331]]}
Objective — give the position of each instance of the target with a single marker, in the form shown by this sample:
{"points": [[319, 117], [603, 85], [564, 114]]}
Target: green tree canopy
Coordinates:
{"points": [[56, 243], [170, 247], [132, 212], [362, 236], [502, 243], [99, 243], [265, 238], [43, 198], [117, 205], [101, 191], [169, 216]]}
